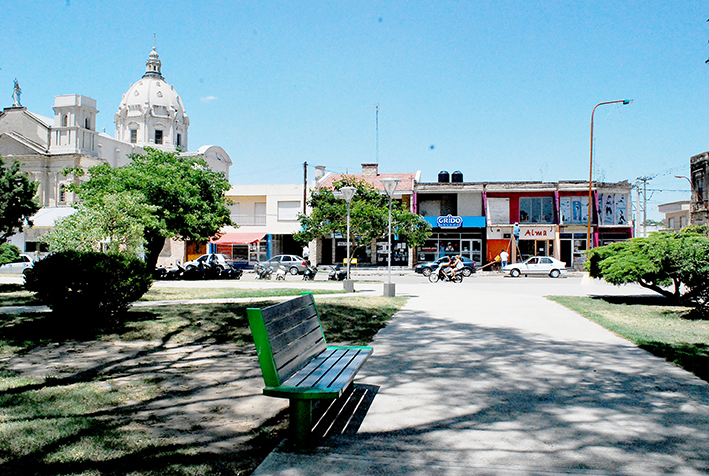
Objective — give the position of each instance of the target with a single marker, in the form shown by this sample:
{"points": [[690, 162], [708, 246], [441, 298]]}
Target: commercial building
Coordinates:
{"points": [[476, 219]]}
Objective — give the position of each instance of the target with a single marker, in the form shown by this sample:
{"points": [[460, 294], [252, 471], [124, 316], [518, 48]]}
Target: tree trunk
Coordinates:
{"points": [[658, 290], [154, 246]]}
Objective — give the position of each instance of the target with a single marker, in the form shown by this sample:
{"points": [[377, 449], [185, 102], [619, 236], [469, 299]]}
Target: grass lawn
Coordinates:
{"points": [[671, 332], [153, 393], [15, 294]]}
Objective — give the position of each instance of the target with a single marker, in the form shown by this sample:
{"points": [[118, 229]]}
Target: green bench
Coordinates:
{"points": [[296, 362]]}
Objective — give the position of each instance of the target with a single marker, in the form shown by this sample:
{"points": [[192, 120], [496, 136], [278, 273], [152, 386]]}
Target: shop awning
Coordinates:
{"points": [[238, 238]]}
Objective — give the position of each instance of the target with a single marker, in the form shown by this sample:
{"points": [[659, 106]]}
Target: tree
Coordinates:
{"points": [[113, 223], [673, 264], [17, 200], [188, 198], [369, 217]]}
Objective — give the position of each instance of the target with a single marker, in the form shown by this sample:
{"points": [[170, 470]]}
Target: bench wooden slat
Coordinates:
{"points": [[337, 368], [347, 376], [315, 377], [309, 330], [288, 321], [291, 360], [287, 307], [311, 373]]}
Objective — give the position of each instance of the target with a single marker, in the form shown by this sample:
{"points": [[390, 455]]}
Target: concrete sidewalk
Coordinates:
{"points": [[484, 380]]}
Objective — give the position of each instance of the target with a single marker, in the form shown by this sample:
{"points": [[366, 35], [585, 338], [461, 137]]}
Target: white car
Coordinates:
{"points": [[18, 266], [536, 265]]}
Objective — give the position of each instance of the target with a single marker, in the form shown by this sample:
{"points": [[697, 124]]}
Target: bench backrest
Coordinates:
{"points": [[287, 335]]}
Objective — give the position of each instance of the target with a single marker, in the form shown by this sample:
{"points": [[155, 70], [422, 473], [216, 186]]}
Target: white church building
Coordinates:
{"points": [[150, 113]]}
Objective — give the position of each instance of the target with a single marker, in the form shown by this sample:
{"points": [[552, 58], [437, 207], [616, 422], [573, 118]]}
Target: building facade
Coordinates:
{"points": [[677, 214], [267, 217], [476, 219], [150, 114]]}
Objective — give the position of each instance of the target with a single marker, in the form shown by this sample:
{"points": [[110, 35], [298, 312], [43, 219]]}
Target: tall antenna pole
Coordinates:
{"points": [[305, 185], [376, 126]]}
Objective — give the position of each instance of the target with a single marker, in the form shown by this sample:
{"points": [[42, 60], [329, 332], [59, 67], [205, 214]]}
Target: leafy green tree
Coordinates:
{"points": [[113, 223], [17, 199], [369, 217], [675, 265], [188, 198]]}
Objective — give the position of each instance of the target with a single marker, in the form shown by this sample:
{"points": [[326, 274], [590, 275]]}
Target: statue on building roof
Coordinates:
{"points": [[16, 94]]}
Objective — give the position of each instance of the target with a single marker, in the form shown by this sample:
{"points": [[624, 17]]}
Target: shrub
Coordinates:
{"points": [[88, 283], [8, 253]]}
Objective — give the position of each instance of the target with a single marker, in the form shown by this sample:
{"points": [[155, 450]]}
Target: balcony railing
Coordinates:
{"points": [[249, 220]]}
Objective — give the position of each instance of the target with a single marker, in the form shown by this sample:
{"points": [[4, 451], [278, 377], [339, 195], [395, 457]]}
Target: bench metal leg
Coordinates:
{"points": [[301, 421]]}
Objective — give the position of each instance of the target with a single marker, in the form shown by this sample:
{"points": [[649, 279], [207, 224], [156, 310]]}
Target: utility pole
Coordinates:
{"points": [[644, 180]]}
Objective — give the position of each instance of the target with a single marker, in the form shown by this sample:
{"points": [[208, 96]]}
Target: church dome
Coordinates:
{"points": [[151, 113]]}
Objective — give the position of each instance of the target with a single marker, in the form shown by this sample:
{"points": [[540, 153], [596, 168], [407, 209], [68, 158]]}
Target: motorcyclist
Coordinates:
{"points": [[456, 264]]}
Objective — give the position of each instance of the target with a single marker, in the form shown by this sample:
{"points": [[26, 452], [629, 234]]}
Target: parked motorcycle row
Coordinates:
{"points": [[197, 271], [280, 273]]}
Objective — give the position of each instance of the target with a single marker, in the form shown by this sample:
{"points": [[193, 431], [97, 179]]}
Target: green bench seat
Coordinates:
{"points": [[297, 363]]}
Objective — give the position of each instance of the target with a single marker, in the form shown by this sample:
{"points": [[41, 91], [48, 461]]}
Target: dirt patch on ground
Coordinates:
{"points": [[205, 397]]}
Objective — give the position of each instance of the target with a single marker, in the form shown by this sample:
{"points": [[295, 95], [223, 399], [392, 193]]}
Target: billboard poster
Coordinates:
{"points": [[574, 210], [614, 208]]}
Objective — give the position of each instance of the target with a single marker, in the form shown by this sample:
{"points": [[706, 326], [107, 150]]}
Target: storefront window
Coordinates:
{"points": [[536, 210]]}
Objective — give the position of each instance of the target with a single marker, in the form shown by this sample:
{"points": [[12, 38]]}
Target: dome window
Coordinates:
{"points": [[158, 137], [133, 136]]}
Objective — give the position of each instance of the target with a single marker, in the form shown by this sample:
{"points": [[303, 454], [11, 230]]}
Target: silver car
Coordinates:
{"points": [[18, 266], [536, 265], [290, 263]]}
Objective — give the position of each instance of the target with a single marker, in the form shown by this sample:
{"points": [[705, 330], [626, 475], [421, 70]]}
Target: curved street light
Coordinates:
{"points": [[693, 194], [347, 194], [389, 187], [625, 102]]}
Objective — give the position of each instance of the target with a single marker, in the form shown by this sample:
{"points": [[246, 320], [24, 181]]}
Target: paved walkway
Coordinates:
{"points": [[484, 379]]}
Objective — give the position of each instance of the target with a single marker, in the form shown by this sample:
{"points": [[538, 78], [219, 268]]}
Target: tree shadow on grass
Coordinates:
{"points": [[645, 300], [691, 357]]}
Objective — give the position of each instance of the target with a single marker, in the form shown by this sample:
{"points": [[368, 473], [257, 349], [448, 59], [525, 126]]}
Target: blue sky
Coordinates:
{"points": [[498, 90]]}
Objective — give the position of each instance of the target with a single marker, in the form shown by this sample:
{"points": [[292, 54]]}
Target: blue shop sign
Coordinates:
{"points": [[453, 222]]}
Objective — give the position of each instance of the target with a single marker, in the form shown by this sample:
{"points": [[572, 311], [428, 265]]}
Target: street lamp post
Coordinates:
{"points": [[390, 185], [347, 194], [625, 102], [693, 194]]}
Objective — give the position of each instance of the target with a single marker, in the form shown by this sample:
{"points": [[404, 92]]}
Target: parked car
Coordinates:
{"points": [[290, 263], [426, 268], [536, 265], [18, 266]]}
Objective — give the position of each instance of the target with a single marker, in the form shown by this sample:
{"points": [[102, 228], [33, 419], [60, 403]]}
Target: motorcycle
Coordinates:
{"points": [[280, 274], [310, 272], [445, 273], [263, 272], [337, 275]]}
